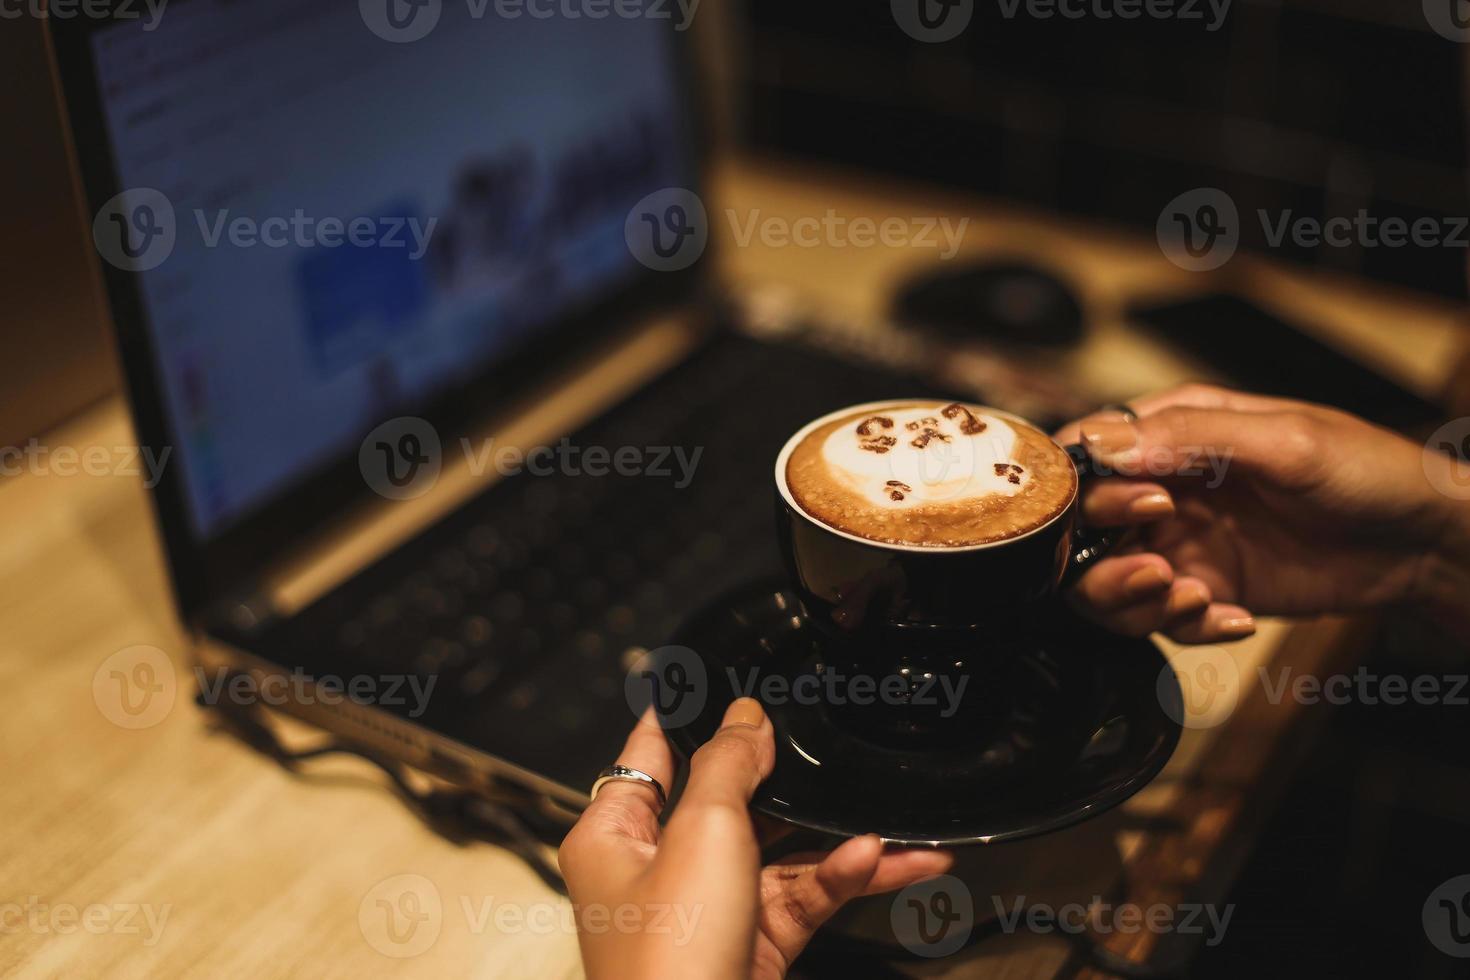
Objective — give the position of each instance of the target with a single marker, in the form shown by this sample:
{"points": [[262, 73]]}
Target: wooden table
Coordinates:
{"points": [[172, 849]]}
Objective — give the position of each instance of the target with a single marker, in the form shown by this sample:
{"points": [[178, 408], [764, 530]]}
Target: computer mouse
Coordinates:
{"points": [[1012, 301]]}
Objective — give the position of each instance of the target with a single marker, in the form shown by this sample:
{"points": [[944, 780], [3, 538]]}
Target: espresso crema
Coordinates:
{"points": [[932, 474]]}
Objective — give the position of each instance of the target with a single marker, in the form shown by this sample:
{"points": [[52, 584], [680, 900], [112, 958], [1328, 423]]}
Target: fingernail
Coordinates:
{"points": [[1239, 627], [744, 711], [1187, 600], [1146, 581], [1109, 436], [1152, 506]]}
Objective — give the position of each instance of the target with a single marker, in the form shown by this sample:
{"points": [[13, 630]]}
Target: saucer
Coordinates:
{"points": [[1070, 728]]}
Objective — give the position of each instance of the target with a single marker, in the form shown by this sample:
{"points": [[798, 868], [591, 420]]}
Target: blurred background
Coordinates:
{"points": [[1320, 108], [1313, 109]]}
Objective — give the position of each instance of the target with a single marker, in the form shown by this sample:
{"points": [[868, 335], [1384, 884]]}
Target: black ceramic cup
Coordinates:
{"points": [[914, 610]]}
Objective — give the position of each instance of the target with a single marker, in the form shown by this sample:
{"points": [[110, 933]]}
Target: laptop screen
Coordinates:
{"points": [[352, 213]]}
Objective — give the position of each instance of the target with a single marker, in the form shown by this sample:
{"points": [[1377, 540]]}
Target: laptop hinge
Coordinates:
{"points": [[244, 612]]}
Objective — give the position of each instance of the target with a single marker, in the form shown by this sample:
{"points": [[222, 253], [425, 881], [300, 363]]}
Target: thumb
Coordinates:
{"points": [[723, 775], [1202, 442], [726, 770]]}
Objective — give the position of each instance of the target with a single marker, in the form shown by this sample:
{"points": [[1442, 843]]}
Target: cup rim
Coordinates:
{"points": [[785, 491]]}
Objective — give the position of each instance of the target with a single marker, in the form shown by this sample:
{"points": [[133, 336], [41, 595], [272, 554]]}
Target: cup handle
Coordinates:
{"points": [[1089, 545]]}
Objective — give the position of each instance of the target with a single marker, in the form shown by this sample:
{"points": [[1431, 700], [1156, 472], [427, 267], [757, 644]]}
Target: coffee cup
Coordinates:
{"points": [[951, 580]]}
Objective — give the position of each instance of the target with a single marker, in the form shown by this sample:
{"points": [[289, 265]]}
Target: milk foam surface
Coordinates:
{"points": [[934, 474], [914, 456]]}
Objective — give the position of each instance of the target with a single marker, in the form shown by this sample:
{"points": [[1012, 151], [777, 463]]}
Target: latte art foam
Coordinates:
{"points": [[898, 460], [940, 474]]}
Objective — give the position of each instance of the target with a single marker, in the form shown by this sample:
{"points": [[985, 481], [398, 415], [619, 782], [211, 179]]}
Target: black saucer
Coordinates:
{"points": [[1072, 728]]}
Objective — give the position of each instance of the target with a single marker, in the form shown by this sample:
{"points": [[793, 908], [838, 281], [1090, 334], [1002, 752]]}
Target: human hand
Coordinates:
{"points": [[1247, 505], [706, 906]]}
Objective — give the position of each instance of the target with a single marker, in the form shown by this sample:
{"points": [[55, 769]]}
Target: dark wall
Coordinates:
{"points": [[54, 354], [1324, 108]]}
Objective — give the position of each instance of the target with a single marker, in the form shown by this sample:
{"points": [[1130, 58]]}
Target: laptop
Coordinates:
{"points": [[469, 479]]}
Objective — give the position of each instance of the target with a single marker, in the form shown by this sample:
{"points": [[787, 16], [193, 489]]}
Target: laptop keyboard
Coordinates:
{"points": [[529, 604]]}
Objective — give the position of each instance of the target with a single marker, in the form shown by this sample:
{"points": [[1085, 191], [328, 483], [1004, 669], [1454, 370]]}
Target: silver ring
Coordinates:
{"points": [[627, 774], [1122, 409]]}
